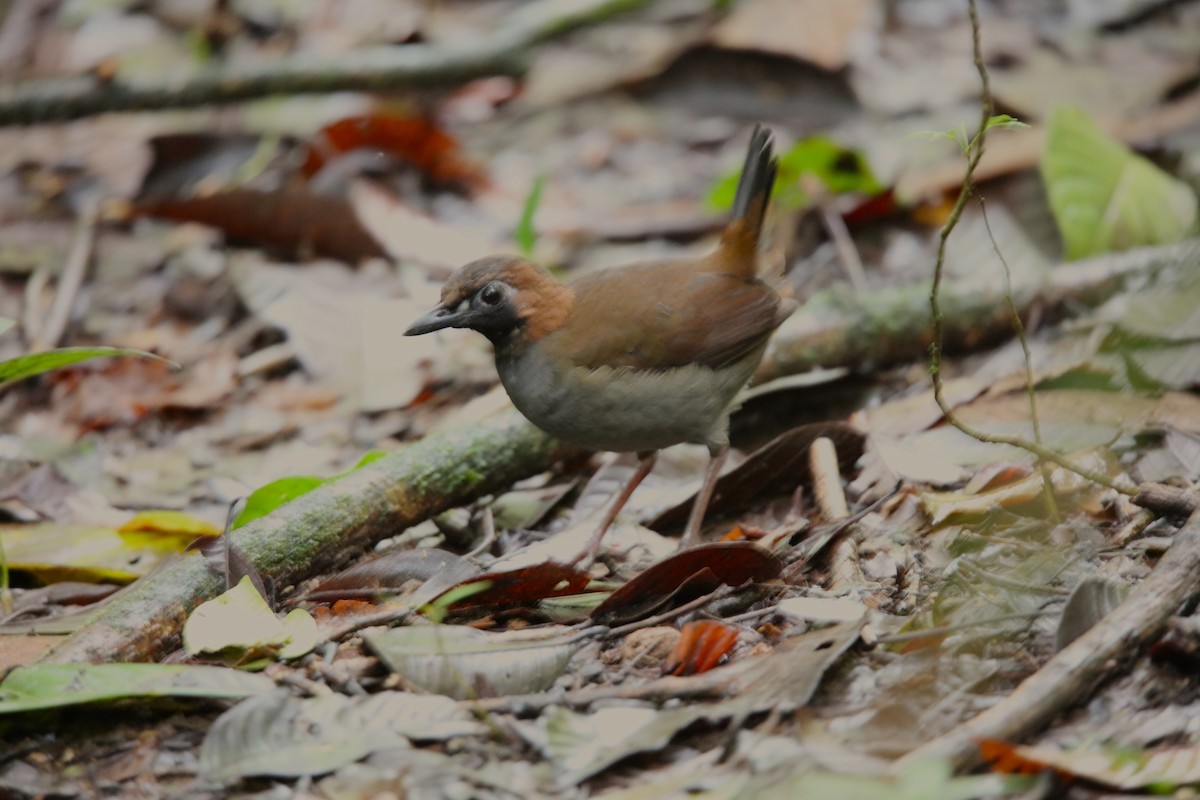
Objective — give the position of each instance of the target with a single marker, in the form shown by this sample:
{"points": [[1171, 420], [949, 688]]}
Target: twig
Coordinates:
{"points": [[32, 321], [1071, 674], [974, 153], [284, 676], [845, 574], [826, 207], [51, 331], [386, 69], [1133, 527], [668, 687], [946, 630], [1027, 357], [827, 480], [973, 572], [844, 244], [489, 535]]}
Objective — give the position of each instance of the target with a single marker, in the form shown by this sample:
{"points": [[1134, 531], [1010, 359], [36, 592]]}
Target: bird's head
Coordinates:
{"points": [[510, 300]]}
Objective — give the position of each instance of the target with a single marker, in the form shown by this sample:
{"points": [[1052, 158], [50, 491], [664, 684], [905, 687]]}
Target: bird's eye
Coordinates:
{"points": [[491, 294]]}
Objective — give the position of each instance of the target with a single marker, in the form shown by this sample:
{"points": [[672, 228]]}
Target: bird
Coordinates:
{"points": [[633, 358]]}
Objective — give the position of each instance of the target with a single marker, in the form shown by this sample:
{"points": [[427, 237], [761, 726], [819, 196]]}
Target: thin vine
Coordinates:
{"points": [[974, 151]]}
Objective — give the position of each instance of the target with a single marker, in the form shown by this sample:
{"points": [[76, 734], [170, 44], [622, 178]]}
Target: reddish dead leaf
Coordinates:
{"points": [[424, 396], [522, 587], [934, 214], [685, 576], [342, 609], [414, 139], [871, 209], [1003, 757], [734, 534], [346, 608], [292, 219], [1123, 768], [124, 390], [701, 646], [921, 643]]}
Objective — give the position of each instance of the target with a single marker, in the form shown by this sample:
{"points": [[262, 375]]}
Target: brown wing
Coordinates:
{"points": [[671, 314]]}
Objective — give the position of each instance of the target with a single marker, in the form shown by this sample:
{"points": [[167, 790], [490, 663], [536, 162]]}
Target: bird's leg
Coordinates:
{"points": [[589, 553], [716, 458]]}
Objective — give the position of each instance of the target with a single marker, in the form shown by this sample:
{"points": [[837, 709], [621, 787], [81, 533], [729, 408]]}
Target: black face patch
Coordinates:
{"points": [[492, 311]]}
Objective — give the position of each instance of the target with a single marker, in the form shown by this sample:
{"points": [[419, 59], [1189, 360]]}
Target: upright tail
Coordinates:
{"points": [[739, 241]]}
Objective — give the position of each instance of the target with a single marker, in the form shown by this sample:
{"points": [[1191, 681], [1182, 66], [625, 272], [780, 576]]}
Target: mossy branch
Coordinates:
{"points": [[321, 530], [384, 69]]}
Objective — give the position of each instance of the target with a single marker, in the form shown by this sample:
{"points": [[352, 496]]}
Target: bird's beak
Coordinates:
{"points": [[438, 318]]}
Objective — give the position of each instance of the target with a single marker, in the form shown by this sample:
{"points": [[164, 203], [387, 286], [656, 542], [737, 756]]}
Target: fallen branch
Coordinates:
{"points": [[384, 69], [321, 530], [836, 328], [1167, 501], [1071, 674]]}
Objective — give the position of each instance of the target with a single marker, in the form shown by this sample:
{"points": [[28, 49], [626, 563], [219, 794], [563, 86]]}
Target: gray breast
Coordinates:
{"points": [[625, 409]]}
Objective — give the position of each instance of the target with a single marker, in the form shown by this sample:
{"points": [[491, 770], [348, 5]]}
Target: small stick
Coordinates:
{"points": [[69, 283]]}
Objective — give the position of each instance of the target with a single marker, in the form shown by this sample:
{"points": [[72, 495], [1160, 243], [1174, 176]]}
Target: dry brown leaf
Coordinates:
{"points": [[816, 31]]}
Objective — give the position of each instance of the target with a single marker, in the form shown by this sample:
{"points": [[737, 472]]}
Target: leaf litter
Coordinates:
{"points": [[949, 585]]}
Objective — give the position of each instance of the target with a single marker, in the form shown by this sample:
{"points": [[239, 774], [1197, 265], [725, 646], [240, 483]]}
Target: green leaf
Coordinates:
{"points": [[437, 609], [840, 170], [265, 499], [1004, 122], [525, 235], [40, 686], [56, 551], [239, 625], [957, 135], [1106, 197], [37, 363], [369, 457]]}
